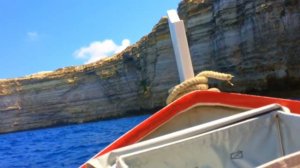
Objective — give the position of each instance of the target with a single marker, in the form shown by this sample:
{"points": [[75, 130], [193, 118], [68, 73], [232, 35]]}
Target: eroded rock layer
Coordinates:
{"points": [[255, 40]]}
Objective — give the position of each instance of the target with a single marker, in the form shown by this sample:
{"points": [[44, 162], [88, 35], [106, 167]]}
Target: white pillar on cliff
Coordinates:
{"points": [[180, 46]]}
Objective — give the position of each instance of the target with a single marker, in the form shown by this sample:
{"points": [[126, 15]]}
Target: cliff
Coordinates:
{"points": [[256, 41]]}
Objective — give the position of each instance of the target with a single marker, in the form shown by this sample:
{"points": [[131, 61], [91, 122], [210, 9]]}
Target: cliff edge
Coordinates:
{"points": [[256, 41]]}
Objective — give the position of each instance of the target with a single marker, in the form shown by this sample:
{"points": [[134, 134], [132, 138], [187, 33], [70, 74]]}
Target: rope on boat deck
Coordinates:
{"points": [[199, 82]]}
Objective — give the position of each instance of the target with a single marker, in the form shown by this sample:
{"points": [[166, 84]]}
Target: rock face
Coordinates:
{"points": [[256, 41]]}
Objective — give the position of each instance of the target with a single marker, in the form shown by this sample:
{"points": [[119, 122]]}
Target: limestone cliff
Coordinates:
{"points": [[257, 41]]}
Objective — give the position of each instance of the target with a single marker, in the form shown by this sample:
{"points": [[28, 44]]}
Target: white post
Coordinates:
{"points": [[180, 46]]}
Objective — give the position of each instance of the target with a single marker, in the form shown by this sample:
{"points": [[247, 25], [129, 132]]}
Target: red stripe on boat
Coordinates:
{"points": [[193, 98]]}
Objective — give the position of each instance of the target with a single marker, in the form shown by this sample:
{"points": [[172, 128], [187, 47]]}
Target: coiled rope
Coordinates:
{"points": [[199, 82]]}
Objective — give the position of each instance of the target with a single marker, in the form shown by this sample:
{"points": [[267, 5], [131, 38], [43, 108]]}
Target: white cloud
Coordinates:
{"points": [[100, 49], [32, 36]]}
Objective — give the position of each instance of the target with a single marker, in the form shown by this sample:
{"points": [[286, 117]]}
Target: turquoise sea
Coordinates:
{"points": [[66, 146]]}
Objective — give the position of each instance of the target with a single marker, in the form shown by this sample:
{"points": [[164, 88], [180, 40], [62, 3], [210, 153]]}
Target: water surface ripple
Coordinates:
{"points": [[67, 146]]}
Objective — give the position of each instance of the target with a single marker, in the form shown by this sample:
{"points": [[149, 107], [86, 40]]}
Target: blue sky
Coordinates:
{"points": [[44, 35]]}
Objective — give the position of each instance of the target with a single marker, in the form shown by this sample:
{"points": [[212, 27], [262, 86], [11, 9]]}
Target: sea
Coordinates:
{"points": [[65, 146]]}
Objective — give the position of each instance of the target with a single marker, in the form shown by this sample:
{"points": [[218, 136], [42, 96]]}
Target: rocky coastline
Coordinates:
{"points": [[256, 41]]}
